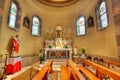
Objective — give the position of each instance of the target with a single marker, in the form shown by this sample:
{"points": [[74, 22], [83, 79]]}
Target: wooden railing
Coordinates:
{"points": [[102, 71], [43, 73], [75, 74], [109, 62]]}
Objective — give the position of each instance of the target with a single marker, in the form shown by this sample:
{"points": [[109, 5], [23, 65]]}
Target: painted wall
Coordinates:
{"points": [[96, 42], [28, 44]]}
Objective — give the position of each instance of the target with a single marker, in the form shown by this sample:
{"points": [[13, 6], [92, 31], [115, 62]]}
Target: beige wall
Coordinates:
{"points": [[96, 42], [28, 44]]}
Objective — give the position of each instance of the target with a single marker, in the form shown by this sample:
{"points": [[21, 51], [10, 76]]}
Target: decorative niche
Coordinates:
{"points": [[26, 22]]}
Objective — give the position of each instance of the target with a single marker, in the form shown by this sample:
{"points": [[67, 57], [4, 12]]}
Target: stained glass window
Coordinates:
{"points": [[13, 15], [36, 24], [81, 26], [102, 16]]}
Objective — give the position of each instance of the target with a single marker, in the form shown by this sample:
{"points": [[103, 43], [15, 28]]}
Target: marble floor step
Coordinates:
{"points": [[59, 63]]}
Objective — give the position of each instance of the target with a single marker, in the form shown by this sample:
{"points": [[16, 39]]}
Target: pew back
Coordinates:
{"points": [[75, 73], [26, 75], [43, 73], [90, 75], [102, 71], [108, 62], [65, 73]]}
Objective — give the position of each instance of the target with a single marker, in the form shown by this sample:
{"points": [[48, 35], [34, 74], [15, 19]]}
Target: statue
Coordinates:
{"points": [[58, 29], [15, 45]]}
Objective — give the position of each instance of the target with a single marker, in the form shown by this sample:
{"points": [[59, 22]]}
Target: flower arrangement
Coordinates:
{"points": [[83, 51], [65, 46], [41, 56], [50, 46]]}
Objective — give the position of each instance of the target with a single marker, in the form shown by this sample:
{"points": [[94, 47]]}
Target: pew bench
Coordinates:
{"points": [[102, 71], [26, 75], [109, 62], [75, 74], [65, 73], [89, 74], [54, 75], [43, 73]]}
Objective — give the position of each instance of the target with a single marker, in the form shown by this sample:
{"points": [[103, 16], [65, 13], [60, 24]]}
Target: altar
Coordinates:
{"points": [[67, 52], [58, 47]]}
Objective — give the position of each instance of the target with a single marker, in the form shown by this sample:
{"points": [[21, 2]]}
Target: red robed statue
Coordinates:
{"points": [[15, 43]]}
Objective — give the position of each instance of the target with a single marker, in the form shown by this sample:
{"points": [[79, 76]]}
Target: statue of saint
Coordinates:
{"points": [[58, 31], [15, 45]]}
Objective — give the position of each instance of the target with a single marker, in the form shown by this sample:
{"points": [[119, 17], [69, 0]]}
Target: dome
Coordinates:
{"points": [[58, 3]]}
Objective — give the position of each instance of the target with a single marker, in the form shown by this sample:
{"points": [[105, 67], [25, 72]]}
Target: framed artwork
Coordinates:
{"points": [[90, 21], [26, 22], [1, 10]]}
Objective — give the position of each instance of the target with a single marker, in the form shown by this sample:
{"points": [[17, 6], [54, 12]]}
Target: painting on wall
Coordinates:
{"points": [[116, 11], [1, 10], [26, 22], [116, 17]]}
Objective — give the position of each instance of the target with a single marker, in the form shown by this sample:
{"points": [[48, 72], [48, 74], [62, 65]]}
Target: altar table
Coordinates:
{"points": [[68, 52], [13, 65]]}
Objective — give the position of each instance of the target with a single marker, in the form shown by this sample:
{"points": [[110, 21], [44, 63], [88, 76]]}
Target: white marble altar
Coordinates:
{"points": [[67, 50]]}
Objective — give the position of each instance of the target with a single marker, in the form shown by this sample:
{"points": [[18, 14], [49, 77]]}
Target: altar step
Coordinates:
{"points": [[56, 64]]}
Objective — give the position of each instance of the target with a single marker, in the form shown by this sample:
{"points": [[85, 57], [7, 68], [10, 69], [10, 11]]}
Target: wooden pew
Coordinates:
{"points": [[65, 73], [102, 71], [76, 75], [89, 74], [43, 73], [54, 74], [108, 62], [26, 75]]}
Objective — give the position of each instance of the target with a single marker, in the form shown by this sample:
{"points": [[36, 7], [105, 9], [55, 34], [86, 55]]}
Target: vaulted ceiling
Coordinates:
{"points": [[58, 3]]}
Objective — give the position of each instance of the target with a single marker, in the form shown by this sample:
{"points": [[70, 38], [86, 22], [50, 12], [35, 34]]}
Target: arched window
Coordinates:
{"points": [[14, 16], [102, 16], [81, 26], [36, 26]]}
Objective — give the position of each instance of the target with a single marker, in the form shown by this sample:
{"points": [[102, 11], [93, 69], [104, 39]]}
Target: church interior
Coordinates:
{"points": [[59, 39]]}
